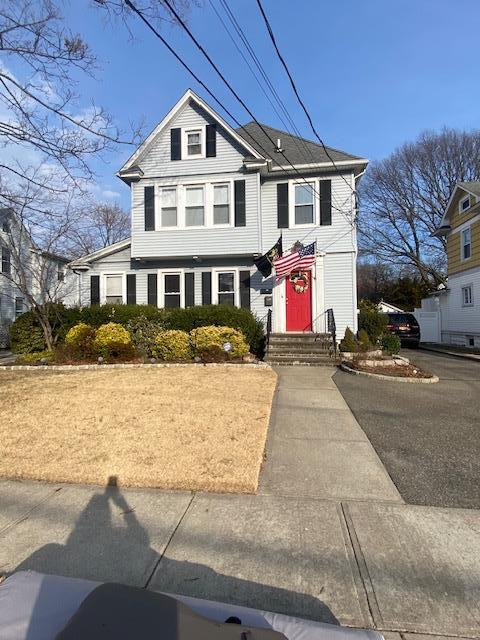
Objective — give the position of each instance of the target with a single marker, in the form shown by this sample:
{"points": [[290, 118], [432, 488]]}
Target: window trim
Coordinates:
{"points": [[192, 185], [161, 286], [229, 185], [314, 184], [9, 261], [161, 189], [203, 137], [15, 310], [472, 302], [463, 245], [103, 285], [236, 284], [461, 201]]}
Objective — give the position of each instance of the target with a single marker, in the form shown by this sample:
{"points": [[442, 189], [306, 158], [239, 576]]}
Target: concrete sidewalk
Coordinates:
{"points": [[354, 555]]}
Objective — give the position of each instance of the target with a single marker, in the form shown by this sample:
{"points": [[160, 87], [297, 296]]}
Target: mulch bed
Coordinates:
{"points": [[397, 370]]}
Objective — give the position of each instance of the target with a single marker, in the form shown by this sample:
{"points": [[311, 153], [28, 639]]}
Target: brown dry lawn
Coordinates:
{"points": [[199, 428]]}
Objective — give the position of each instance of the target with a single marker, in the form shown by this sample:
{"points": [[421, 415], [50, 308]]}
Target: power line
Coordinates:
{"points": [[227, 84], [217, 100], [292, 82]]}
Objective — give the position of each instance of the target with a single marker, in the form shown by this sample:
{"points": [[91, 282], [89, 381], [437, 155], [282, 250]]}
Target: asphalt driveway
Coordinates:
{"points": [[427, 436]]}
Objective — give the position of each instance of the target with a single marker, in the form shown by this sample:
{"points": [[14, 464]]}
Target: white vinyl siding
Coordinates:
{"points": [[156, 162]]}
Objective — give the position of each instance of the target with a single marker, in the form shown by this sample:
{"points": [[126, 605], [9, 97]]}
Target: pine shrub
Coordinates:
{"points": [[390, 343], [348, 344]]}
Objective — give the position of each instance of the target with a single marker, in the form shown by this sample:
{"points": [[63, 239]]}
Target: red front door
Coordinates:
{"points": [[298, 298]]}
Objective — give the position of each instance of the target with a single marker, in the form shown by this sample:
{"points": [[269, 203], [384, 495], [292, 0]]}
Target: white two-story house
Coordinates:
{"points": [[207, 199]]}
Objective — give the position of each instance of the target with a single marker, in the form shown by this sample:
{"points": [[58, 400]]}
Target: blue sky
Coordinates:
{"points": [[373, 74]]}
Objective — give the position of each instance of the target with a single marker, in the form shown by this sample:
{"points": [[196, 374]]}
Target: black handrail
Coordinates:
{"points": [[332, 329], [269, 327]]}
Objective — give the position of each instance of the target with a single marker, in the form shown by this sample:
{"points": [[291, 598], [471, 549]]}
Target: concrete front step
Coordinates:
{"points": [[300, 337], [310, 347], [300, 358]]}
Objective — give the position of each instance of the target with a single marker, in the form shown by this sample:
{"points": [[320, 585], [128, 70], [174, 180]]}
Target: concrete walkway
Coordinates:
{"points": [[316, 448], [353, 554]]}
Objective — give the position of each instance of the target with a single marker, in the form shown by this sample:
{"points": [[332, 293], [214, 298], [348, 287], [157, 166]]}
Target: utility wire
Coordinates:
{"points": [[228, 85], [130, 4], [292, 82]]}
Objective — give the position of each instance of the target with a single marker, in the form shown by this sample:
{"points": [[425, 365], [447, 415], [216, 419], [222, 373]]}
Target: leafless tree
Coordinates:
{"points": [[48, 137], [404, 197], [98, 226]]}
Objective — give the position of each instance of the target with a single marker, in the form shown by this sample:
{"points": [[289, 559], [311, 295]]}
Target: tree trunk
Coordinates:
{"points": [[42, 316]]}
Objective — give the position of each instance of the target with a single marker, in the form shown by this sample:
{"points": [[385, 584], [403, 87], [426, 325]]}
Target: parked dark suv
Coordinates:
{"points": [[406, 327]]}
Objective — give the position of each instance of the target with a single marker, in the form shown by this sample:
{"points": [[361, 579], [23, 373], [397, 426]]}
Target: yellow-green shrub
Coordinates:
{"points": [[113, 341], [80, 339], [172, 345], [36, 357], [205, 338]]}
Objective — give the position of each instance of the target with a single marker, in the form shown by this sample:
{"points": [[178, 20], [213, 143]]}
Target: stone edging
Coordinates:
{"points": [[348, 369], [129, 365]]}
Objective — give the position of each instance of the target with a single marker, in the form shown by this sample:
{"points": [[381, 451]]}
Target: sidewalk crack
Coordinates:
{"points": [[161, 556]]}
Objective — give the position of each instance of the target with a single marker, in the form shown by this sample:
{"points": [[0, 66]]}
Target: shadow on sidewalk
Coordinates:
{"points": [[100, 550]]}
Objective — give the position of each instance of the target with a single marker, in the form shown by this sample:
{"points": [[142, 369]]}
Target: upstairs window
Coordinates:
{"points": [[464, 204], [467, 296], [194, 207], [226, 288], [6, 265], [61, 275], [169, 208], [114, 289], [304, 204], [221, 204], [5, 227], [194, 142], [466, 248]]}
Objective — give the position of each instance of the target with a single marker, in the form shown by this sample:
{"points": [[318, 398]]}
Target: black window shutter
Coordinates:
{"points": [[240, 218], [149, 204], [175, 144], [211, 147], [206, 287], [152, 289], [282, 205], [189, 289], [94, 289], [131, 288], [245, 289], [325, 202]]}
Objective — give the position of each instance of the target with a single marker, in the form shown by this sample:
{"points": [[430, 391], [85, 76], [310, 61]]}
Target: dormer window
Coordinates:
{"points": [[194, 142], [464, 204]]}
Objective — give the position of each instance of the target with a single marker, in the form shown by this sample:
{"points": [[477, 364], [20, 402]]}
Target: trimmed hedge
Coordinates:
{"points": [[27, 335], [206, 338], [113, 341], [173, 344]]}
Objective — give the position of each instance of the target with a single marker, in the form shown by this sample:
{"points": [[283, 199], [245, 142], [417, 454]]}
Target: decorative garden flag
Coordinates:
{"points": [[264, 263]]}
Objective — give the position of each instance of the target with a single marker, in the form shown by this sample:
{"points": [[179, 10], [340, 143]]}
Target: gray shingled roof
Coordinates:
{"points": [[473, 187], [297, 150]]}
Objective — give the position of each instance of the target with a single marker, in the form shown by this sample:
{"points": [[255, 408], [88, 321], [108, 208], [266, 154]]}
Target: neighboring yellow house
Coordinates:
{"points": [[459, 303]]}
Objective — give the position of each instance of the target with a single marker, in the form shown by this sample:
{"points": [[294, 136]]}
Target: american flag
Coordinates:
{"points": [[300, 259]]}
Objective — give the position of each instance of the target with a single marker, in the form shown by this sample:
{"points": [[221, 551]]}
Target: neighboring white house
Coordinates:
{"points": [[386, 307], [455, 309], [43, 273], [207, 199]]}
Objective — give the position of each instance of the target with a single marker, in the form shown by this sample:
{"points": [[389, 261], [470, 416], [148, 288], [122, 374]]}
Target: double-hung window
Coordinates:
{"points": [[221, 204], [226, 287], [194, 206], [304, 204], [464, 204], [6, 265], [467, 296], [172, 290], [169, 207], [114, 289], [194, 142], [466, 244], [19, 307]]}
